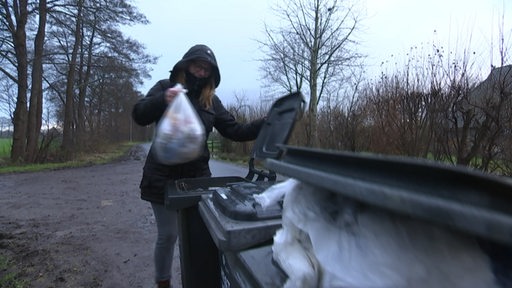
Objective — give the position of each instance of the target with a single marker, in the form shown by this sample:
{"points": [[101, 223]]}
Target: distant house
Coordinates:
{"points": [[483, 118], [497, 85], [486, 98]]}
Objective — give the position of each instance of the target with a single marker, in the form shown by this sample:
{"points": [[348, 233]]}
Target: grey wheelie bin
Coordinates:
{"points": [[457, 198], [200, 257]]}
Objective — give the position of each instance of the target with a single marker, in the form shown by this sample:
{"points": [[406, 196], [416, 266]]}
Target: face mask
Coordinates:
{"points": [[194, 83]]}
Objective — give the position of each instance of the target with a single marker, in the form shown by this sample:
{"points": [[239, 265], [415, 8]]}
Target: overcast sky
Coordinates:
{"points": [[231, 27]]}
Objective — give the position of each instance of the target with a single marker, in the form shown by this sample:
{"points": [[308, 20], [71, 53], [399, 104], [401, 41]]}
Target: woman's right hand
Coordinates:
{"points": [[171, 93]]}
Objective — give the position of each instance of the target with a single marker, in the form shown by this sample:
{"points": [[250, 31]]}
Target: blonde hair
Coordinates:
{"points": [[206, 97]]}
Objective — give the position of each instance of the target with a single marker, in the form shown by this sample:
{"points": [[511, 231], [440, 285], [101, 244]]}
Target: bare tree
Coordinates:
{"points": [[340, 120], [82, 36], [312, 48], [35, 112], [67, 131], [14, 21], [83, 49]]}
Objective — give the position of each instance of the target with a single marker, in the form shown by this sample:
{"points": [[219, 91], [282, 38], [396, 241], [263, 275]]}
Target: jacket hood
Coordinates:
{"points": [[198, 52]]}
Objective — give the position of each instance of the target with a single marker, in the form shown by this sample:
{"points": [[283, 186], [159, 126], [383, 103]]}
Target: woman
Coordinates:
{"points": [[198, 72]]}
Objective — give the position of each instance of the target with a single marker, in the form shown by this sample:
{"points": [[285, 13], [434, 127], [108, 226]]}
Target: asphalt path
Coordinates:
{"points": [[84, 227]]}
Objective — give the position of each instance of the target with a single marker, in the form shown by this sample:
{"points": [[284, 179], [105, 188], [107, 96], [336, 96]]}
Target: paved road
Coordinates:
{"points": [[83, 227]]}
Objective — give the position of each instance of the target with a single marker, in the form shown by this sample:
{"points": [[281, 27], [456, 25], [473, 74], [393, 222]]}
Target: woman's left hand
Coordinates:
{"points": [[173, 92]]}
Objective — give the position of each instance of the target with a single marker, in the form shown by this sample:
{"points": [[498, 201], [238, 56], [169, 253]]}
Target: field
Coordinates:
{"points": [[5, 147]]}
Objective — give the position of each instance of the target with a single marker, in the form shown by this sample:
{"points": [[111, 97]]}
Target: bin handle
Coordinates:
{"points": [[261, 175]]}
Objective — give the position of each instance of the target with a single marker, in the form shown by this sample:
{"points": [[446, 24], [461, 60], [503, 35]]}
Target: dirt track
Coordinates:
{"points": [[82, 227]]}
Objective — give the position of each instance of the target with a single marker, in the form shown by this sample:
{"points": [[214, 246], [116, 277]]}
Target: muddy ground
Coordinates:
{"points": [[81, 227]]}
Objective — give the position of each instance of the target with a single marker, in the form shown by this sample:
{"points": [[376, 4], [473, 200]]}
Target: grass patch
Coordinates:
{"points": [[9, 279], [106, 155], [5, 147]]}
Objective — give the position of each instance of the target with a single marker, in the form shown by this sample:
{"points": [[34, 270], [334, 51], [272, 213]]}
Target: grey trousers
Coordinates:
{"points": [[167, 226]]}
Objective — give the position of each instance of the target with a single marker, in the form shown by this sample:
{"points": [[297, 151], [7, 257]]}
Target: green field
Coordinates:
{"points": [[5, 147]]}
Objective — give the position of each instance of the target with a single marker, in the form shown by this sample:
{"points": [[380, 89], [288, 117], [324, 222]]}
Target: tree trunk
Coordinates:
{"points": [[82, 92], [68, 127], [312, 117], [20, 48], [313, 84], [35, 112]]}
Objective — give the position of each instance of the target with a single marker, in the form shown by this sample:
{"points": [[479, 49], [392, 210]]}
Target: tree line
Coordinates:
{"points": [[442, 112], [72, 55], [433, 106]]}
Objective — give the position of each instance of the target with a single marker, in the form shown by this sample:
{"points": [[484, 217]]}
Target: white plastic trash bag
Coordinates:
{"points": [[328, 240], [180, 133], [275, 193]]}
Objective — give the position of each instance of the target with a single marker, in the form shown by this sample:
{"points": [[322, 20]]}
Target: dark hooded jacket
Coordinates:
{"points": [[150, 109]]}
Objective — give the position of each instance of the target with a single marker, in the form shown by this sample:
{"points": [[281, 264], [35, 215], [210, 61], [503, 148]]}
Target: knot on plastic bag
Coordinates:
{"points": [[180, 134]]}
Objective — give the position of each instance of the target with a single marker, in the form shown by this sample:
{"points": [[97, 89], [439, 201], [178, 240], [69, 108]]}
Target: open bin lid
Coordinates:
{"points": [[278, 126]]}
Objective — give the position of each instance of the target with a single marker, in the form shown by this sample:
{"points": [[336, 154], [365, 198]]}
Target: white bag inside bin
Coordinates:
{"points": [[328, 240]]}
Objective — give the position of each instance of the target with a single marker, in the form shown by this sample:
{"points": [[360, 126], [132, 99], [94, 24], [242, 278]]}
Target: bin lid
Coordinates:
{"points": [[458, 197], [279, 124]]}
